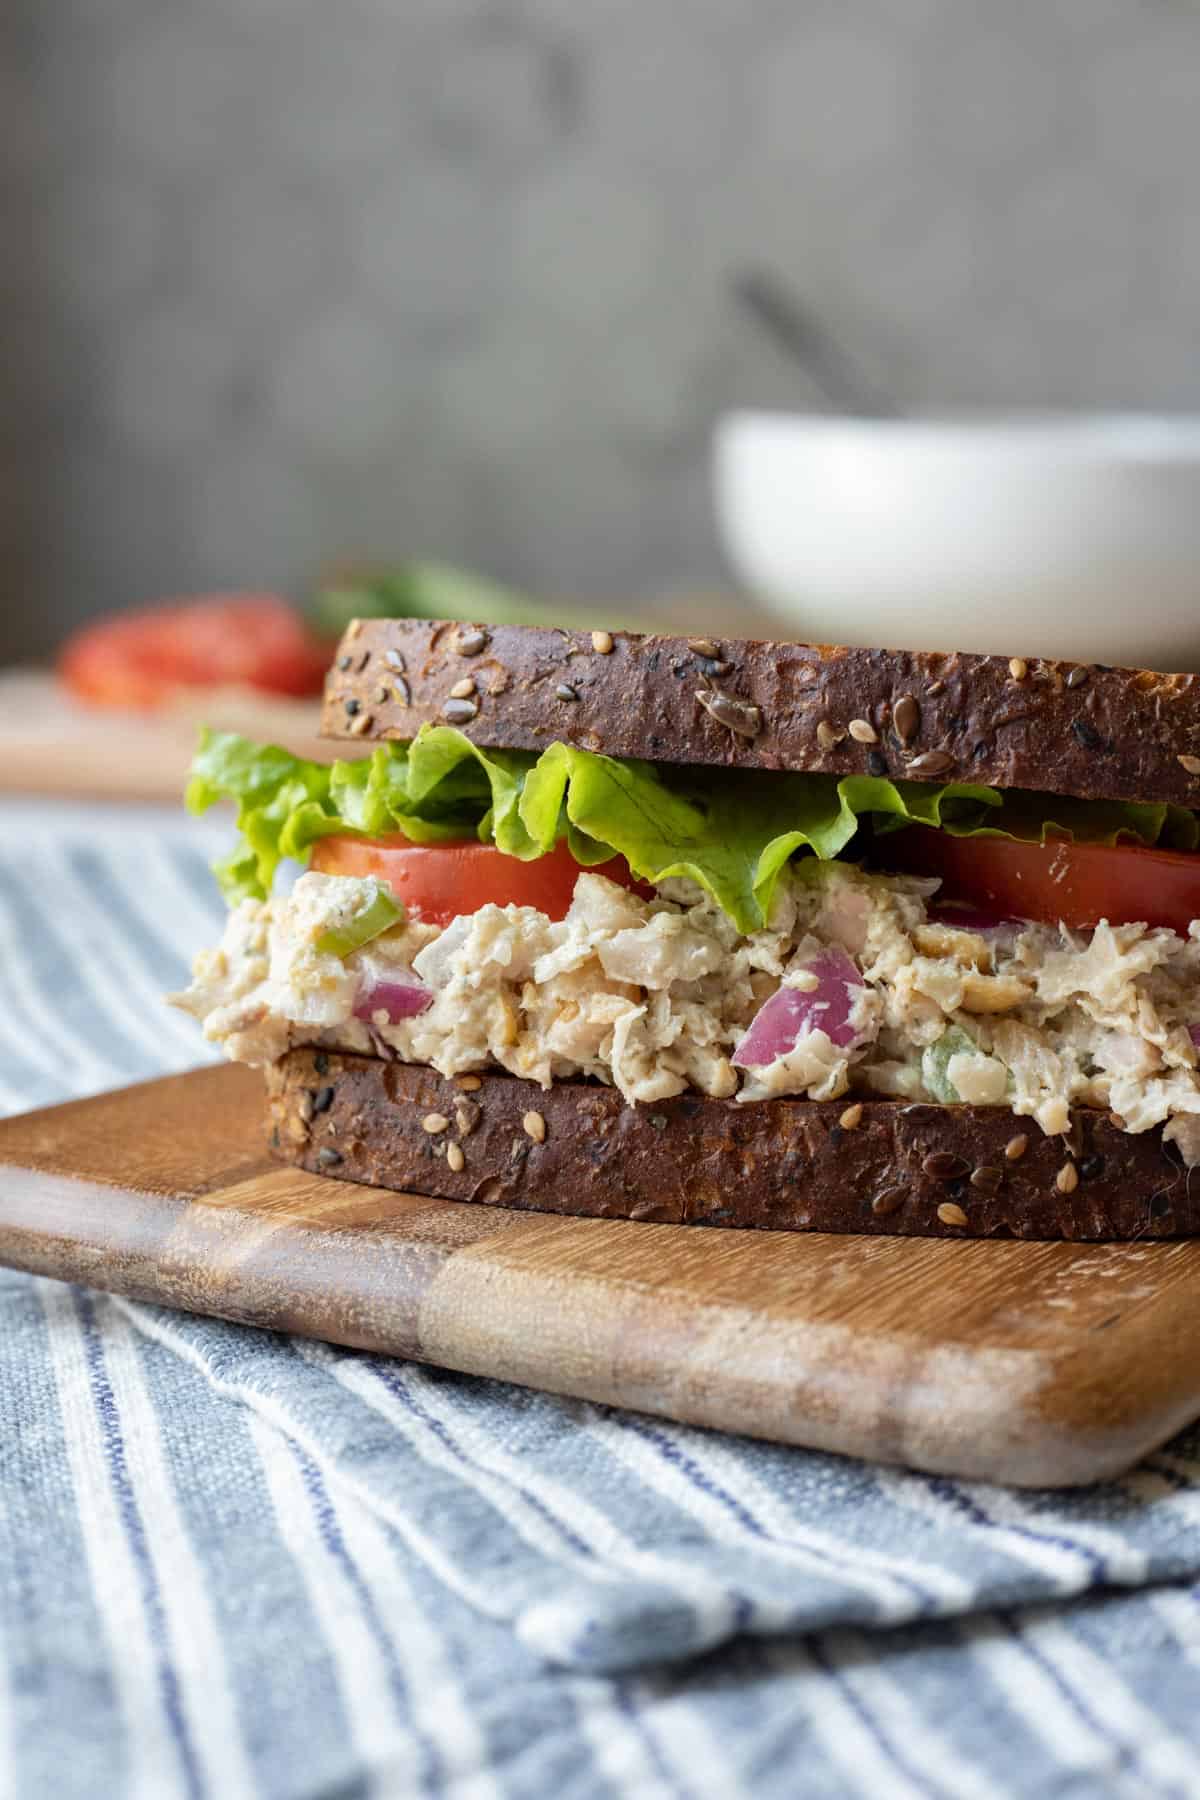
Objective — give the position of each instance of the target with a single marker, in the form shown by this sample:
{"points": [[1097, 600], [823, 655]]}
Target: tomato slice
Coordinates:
{"points": [[440, 882], [1075, 883], [138, 659]]}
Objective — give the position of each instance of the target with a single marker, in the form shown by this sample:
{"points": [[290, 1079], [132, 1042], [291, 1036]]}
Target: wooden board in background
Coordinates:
{"points": [[51, 744], [1021, 1362]]}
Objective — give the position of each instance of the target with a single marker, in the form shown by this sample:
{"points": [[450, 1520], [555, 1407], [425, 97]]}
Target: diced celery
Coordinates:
{"points": [[380, 912]]}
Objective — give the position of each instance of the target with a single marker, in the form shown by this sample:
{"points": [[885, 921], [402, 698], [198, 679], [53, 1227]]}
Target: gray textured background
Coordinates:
{"points": [[286, 279]]}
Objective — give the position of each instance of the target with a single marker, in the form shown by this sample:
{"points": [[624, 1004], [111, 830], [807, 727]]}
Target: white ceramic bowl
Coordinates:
{"points": [[1044, 535]]}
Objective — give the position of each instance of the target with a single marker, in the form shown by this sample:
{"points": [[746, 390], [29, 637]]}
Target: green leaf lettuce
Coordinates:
{"points": [[731, 831]]}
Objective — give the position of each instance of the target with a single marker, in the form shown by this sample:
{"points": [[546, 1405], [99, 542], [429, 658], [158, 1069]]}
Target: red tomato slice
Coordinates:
{"points": [[138, 659], [1077, 883], [440, 882]]}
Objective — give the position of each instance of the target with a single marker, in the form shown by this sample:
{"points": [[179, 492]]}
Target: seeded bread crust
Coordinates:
{"points": [[1092, 732], [782, 1165]]}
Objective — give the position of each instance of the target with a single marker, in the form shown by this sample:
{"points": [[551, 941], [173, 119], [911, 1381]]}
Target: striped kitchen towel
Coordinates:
{"points": [[237, 1564]]}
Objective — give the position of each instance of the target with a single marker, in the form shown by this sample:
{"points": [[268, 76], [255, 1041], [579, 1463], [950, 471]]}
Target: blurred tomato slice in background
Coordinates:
{"points": [[139, 659]]}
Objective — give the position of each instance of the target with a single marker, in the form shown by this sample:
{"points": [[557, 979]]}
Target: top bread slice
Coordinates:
{"points": [[1085, 730]]}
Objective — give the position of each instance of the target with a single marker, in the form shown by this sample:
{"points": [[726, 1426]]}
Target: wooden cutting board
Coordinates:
{"points": [[52, 744], [1020, 1362]]}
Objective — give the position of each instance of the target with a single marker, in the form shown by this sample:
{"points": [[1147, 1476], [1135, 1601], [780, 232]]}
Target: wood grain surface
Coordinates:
{"points": [[52, 744], [1030, 1363]]}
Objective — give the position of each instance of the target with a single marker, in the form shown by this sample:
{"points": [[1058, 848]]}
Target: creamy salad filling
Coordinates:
{"points": [[858, 984]]}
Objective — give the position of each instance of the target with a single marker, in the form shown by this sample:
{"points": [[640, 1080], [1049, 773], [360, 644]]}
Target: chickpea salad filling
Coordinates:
{"points": [[857, 984], [747, 936]]}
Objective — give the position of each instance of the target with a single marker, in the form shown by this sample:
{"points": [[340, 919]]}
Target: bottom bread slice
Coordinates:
{"points": [[777, 1165]]}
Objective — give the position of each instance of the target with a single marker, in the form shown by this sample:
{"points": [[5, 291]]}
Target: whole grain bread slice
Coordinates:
{"points": [[783, 1165], [1092, 732]]}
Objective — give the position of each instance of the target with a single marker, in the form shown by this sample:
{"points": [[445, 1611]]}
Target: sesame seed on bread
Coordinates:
{"points": [[879, 1166], [1088, 731]]}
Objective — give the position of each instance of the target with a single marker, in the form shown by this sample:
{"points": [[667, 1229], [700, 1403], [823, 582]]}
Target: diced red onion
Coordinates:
{"points": [[1194, 1034], [791, 1013], [979, 919], [401, 997]]}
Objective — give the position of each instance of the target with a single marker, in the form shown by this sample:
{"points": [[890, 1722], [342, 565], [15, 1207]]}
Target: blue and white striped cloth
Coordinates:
{"points": [[234, 1564]]}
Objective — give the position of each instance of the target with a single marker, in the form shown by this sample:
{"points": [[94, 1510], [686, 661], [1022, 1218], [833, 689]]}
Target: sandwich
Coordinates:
{"points": [[725, 932]]}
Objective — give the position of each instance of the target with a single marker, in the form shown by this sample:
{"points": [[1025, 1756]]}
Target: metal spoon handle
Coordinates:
{"points": [[802, 336]]}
